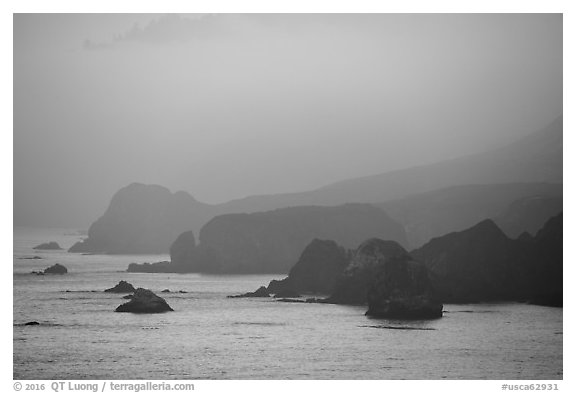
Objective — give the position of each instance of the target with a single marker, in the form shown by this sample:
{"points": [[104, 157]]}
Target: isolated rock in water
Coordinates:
{"points": [[122, 287], [34, 257], [56, 269], [260, 292], [360, 274], [165, 291], [145, 301], [402, 290], [32, 323], [48, 246]]}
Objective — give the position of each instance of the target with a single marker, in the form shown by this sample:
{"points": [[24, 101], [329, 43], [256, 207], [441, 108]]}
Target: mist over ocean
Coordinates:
{"points": [[212, 337], [288, 196]]}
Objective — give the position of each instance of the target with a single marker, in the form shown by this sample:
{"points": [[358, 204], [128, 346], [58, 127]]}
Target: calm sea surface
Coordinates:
{"points": [[212, 337]]}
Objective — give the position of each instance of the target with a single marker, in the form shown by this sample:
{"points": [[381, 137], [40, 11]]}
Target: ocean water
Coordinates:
{"points": [[212, 337]]}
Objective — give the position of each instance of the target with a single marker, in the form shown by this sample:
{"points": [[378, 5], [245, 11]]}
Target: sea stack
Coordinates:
{"points": [[144, 301], [122, 287]]}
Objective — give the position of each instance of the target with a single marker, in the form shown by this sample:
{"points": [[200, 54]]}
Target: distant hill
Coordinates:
{"points": [[143, 219], [528, 215], [516, 207], [536, 158]]}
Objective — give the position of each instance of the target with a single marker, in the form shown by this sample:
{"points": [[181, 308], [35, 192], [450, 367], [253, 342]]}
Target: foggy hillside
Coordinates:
{"points": [[535, 158]]}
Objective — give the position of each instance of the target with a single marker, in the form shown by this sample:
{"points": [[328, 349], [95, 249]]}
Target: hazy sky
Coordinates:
{"points": [[225, 106]]}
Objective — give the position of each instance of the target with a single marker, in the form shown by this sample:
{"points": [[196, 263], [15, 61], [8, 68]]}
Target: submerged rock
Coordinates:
{"points": [[122, 287], [56, 269], [48, 246], [260, 292], [144, 301]]}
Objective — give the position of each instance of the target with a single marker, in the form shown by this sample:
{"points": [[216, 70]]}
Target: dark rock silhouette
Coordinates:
{"points": [[319, 267], [359, 275], [32, 323], [122, 287], [483, 264], [48, 246], [546, 265], [402, 290], [260, 292], [56, 269], [142, 219], [34, 257], [270, 242], [474, 265], [145, 301]]}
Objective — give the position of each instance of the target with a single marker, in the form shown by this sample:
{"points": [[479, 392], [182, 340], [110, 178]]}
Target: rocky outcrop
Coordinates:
{"points": [[145, 301], [270, 242], [122, 287], [474, 265], [56, 269], [260, 292], [402, 290], [546, 264], [359, 275], [143, 219], [319, 267], [48, 246], [483, 264]]}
